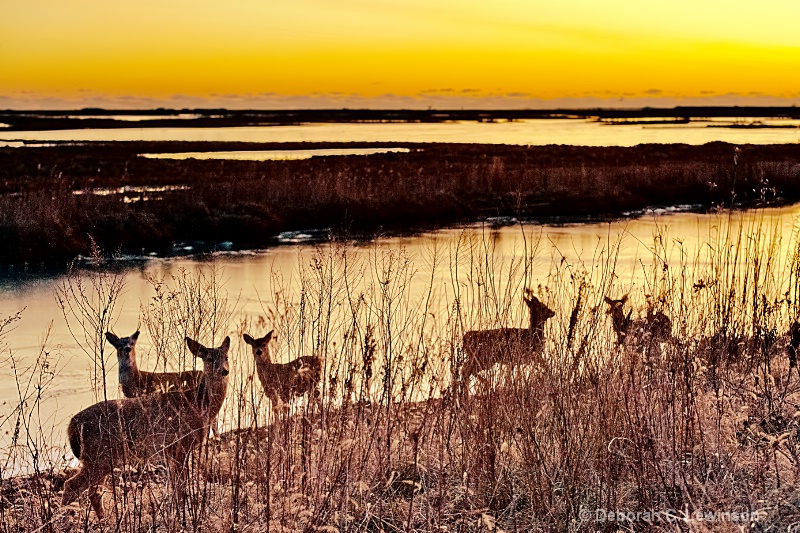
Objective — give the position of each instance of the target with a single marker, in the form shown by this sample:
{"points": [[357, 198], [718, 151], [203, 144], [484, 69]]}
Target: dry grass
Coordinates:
{"points": [[251, 202], [705, 422]]}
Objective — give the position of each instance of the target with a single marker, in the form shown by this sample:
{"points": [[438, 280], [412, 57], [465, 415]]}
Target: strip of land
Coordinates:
{"points": [[216, 118], [56, 200]]}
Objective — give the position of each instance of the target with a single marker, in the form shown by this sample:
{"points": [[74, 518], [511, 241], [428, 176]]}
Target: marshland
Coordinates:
{"points": [[418, 249], [71, 195]]}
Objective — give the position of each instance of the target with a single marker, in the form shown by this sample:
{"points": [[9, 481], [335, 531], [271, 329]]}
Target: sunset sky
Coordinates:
{"points": [[397, 53]]}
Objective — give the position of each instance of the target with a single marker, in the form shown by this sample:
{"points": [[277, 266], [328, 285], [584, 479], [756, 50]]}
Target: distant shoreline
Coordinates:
{"points": [[21, 120], [56, 200]]}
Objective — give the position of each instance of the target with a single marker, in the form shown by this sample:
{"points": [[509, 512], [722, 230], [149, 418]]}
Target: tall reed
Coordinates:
{"points": [[703, 422]]}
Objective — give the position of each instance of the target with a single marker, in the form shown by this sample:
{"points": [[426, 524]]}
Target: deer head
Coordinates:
{"points": [[260, 346], [539, 311], [215, 360]]}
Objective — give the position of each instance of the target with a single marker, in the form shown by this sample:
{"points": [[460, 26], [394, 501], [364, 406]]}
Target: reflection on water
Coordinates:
{"points": [[132, 193], [524, 132], [304, 235], [275, 155], [137, 118], [435, 270]]}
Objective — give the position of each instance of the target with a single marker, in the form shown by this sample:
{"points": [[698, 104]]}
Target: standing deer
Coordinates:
{"points": [[484, 348], [282, 382], [136, 382], [135, 431], [655, 327]]}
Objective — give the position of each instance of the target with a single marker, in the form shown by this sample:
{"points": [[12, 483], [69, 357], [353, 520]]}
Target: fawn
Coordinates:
{"points": [[136, 382], [484, 348], [656, 326], [281, 382], [135, 431]]}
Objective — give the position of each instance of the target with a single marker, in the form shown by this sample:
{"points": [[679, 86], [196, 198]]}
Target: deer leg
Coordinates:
{"points": [[88, 478], [75, 485], [316, 396], [212, 428], [461, 377], [487, 381], [178, 469], [96, 496], [282, 404], [463, 383]]}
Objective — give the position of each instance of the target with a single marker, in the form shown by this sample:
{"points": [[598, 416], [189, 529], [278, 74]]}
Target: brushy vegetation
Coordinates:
{"points": [[706, 421], [249, 203], [219, 118]]}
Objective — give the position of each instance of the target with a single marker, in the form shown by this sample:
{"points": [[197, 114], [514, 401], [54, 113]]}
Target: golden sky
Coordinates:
{"points": [[398, 53]]}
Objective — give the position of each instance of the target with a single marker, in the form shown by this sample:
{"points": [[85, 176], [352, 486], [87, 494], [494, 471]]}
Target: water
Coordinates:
{"points": [[429, 271], [524, 132], [274, 155], [136, 118]]}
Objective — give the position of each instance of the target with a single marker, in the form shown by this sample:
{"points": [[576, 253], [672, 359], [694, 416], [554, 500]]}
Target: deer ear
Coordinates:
{"points": [[624, 299], [135, 336], [608, 300], [268, 336], [226, 344], [110, 337], [248, 339], [194, 346]]}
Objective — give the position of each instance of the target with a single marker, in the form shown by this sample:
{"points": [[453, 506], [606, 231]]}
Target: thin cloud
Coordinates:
{"points": [[438, 98]]}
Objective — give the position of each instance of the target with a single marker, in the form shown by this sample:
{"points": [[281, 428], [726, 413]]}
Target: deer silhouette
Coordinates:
{"points": [[508, 346], [283, 381], [136, 431], [136, 382]]}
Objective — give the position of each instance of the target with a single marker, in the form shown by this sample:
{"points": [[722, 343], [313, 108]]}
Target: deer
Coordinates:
{"points": [[135, 431], [283, 381], [508, 346], [656, 326], [136, 382]]}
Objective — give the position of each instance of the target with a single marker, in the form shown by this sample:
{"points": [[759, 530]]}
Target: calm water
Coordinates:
{"points": [[274, 155], [426, 272], [526, 132]]}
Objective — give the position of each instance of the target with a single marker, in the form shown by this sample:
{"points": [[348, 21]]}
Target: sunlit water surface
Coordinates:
{"points": [[431, 270], [274, 155], [523, 132]]}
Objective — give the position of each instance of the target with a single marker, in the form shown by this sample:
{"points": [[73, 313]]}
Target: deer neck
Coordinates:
{"points": [[266, 360], [618, 320], [127, 365], [211, 394], [537, 326]]}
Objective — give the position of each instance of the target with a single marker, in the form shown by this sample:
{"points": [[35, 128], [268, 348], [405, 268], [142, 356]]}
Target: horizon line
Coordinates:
{"points": [[430, 109]]}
